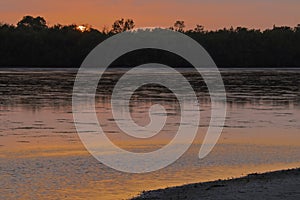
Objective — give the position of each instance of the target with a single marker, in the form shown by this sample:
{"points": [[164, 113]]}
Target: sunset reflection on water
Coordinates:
{"points": [[41, 156]]}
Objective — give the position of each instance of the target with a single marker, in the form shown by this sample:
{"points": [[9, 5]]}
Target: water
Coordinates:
{"points": [[41, 156]]}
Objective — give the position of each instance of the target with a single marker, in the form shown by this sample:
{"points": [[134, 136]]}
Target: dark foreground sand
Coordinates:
{"points": [[272, 185]]}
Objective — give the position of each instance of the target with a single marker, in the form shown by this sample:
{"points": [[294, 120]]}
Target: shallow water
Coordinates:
{"points": [[41, 156]]}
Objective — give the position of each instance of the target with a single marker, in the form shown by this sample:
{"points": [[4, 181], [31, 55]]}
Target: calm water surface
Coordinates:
{"points": [[41, 156]]}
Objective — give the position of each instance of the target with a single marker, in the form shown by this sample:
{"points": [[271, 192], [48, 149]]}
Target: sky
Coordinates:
{"points": [[213, 14]]}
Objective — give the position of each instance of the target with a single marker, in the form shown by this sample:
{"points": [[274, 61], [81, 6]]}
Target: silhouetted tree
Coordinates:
{"points": [[32, 43], [35, 23], [199, 29], [179, 26], [122, 25], [297, 28]]}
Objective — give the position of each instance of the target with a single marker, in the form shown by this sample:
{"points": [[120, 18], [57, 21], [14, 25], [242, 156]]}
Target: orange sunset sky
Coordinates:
{"points": [[213, 14]]}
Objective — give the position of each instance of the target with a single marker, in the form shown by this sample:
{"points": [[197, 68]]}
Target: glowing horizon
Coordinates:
{"points": [[213, 14]]}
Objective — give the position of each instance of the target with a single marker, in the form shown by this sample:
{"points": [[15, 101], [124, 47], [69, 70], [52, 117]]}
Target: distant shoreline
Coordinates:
{"points": [[283, 184], [32, 42], [117, 67]]}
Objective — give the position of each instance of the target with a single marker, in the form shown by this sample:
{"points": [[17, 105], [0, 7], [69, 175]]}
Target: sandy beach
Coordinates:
{"points": [[283, 184]]}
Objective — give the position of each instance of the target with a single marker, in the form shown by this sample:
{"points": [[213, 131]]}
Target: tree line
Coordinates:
{"points": [[32, 43]]}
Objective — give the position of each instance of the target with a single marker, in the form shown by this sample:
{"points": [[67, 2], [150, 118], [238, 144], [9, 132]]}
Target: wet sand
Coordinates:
{"points": [[283, 184]]}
